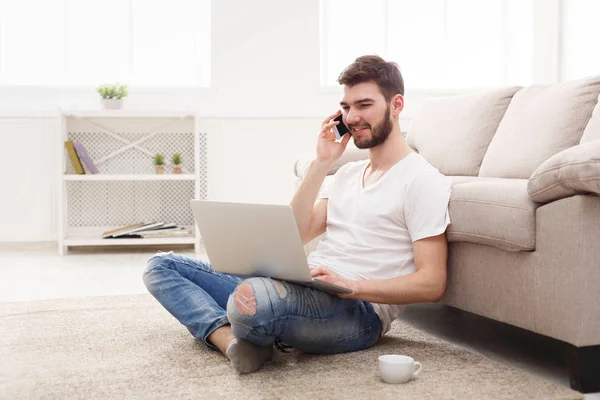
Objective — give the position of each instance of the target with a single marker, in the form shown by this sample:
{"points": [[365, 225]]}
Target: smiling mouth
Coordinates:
{"points": [[358, 129]]}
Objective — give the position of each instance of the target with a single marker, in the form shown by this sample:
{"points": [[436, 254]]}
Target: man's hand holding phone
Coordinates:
{"points": [[328, 148]]}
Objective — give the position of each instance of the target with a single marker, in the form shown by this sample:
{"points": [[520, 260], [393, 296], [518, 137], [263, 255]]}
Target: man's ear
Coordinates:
{"points": [[397, 105]]}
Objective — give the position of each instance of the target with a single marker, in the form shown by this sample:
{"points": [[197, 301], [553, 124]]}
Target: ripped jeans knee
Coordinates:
{"points": [[250, 309], [245, 297]]}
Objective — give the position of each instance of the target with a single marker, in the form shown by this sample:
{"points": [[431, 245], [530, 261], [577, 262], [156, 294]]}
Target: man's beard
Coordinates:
{"points": [[379, 133]]}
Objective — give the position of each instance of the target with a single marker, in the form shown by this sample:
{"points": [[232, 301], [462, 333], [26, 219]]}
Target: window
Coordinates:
{"points": [[150, 43], [438, 44], [580, 56]]}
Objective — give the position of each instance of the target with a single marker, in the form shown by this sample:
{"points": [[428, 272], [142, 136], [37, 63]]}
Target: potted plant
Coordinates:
{"points": [[176, 160], [159, 163], [112, 95]]}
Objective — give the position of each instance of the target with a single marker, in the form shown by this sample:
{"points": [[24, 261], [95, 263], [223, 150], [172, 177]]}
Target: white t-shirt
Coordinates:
{"points": [[370, 230]]}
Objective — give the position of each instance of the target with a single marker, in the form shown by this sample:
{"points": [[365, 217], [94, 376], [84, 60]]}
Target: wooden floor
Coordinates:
{"points": [[36, 271]]}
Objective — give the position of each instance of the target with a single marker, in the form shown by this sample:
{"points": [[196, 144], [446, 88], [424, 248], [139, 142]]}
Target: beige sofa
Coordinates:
{"points": [[525, 233]]}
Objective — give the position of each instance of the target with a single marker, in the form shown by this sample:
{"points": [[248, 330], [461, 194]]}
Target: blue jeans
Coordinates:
{"points": [[306, 319]]}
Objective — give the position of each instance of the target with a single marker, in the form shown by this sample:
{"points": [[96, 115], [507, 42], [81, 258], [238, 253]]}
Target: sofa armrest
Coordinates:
{"points": [[352, 153], [567, 277], [575, 170]]}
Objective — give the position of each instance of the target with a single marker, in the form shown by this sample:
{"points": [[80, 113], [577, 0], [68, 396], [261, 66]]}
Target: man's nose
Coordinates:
{"points": [[353, 117]]}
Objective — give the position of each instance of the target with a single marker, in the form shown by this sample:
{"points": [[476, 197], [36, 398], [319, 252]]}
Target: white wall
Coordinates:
{"points": [[28, 195], [263, 109]]}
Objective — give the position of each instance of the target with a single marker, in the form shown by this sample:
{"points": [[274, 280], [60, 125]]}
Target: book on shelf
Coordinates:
{"points": [[161, 227], [108, 234], [83, 155], [127, 230], [142, 230], [159, 233], [75, 161]]}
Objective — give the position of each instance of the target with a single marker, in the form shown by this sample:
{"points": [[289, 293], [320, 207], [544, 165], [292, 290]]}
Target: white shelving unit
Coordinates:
{"points": [[122, 144], [130, 177]]}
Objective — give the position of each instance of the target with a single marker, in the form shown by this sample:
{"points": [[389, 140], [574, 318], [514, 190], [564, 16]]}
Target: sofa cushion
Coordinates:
{"points": [[494, 212], [453, 133], [539, 122], [574, 170], [592, 130], [352, 153], [458, 179]]}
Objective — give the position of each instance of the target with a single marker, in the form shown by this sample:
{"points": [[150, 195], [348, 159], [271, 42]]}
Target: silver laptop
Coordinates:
{"points": [[255, 240]]}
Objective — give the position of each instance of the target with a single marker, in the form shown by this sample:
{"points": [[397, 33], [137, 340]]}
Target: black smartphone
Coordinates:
{"points": [[340, 129]]}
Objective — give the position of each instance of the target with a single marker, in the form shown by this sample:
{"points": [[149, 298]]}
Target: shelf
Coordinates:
{"points": [[129, 177], [77, 241], [93, 237], [124, 113], [122, 143]]}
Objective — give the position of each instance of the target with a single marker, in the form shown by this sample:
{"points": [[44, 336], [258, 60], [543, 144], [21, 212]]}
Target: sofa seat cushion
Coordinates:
{"points": [[494, 211], [572, 171], [458, 179]]}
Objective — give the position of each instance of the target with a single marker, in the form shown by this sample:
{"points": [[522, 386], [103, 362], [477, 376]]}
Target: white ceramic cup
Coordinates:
{"points": [[395, 368]]}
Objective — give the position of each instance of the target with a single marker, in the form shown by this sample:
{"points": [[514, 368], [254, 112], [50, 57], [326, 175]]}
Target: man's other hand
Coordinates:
{"points": [[327, 275]]}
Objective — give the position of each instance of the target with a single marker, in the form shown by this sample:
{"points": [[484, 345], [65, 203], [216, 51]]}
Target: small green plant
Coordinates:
{"points": [[159, 159], [176, 159], [113, 91]]}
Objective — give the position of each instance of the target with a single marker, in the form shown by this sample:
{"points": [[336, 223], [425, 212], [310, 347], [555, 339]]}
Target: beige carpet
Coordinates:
{"points": [[129, 347]]}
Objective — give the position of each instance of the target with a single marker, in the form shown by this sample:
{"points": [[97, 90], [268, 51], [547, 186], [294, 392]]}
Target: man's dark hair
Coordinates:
{"points": [[386, 74]]}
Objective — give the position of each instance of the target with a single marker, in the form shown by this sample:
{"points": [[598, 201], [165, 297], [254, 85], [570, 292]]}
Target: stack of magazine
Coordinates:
{"points": [[146, 230]]}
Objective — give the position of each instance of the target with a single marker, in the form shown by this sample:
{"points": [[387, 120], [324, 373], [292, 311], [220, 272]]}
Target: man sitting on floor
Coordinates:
{"points": [[385, 220]]}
